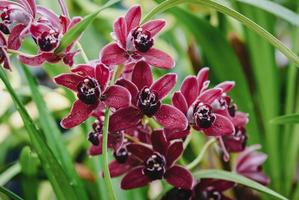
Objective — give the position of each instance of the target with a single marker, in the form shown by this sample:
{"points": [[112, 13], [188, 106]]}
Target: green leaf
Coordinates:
{"points": [[225, 9], [79, 28], [53, 169], [9, 193], [231, 176], [54, 136], [286, 119], [9, 173], [274, 9]]}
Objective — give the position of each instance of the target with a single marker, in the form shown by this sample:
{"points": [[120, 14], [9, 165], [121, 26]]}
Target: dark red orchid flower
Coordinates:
{"points": [[146, 101], [90, 84], [116, 141], [157, 163], [205, 189], [16, 17], [196, 102], [224, 106], [47, 31], [134, 42], [249, 164]]}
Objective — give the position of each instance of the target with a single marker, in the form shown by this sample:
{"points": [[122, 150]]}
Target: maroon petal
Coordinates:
{"points": [[140, 151], [158, 58], [240, 119], [159, 142], [173, 135], [37, 29], [202, 77], [84, 70], [226, 86], [221, 126], [14, 39], [120, 30], [131, 87], [112, 54], [6, 61], [179, 101], [68, 58], [179, 177], [190, 89], [79, 113], [210, 95], [154, 26], [142, 75], [51, 16], [164, 85], [117, 97], [133, 17], [95, 149], [118, 169], [134, 179], [70, 81], [174, 152], [171, 118], [124, 118], [35, 60], [102, 75]]}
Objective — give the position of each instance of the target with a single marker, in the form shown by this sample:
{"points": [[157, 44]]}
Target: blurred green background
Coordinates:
{"points": [[266, 87]]}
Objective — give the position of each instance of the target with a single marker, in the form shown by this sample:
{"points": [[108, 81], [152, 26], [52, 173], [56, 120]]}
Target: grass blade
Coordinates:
{"points": [[286, 119], [231, 176], [54, 136], [9, 193], [274, 9], [53, 169]]}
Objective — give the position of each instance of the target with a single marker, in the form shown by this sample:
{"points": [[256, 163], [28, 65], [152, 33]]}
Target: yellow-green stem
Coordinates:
{"points": [[197, 160]]}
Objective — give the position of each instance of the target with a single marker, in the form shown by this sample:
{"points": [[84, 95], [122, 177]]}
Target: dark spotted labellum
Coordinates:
{"points": [[155, 166], [142, 39], [48, 41], [4, 29], [121, 155], [148, 102], [93, 137], [203, 115], [88, 91], [211, 195], [177, 194]]}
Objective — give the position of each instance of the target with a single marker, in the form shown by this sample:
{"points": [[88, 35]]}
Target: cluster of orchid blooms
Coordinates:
{"points": [[142, 153]]}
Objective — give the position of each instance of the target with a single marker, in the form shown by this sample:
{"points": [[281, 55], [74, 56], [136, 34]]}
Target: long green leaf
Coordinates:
{"points": [[286, 119], [52, 167], [230, 176], [274, 9], [79, 28], [225, 9], [54, 136], [9, 193], [9, 173]]}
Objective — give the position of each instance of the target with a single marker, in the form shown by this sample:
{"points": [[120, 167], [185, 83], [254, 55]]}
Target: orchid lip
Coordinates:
{"points": [[148, 102], [88, 91], [155, 166], [121, 155], [142, 39], [203, 115], [48, 40], [93, 138]]}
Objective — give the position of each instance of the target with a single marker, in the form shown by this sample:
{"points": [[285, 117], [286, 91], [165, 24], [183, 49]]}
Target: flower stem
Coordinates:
{"points": [[105, 166], [83, 54], [197, 160]]}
